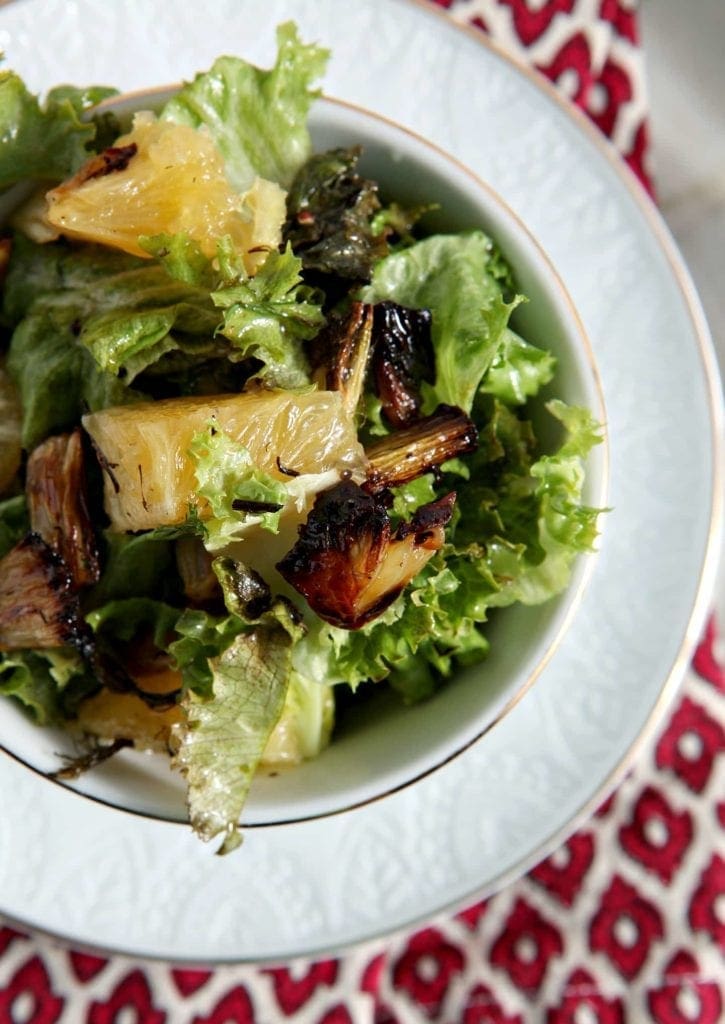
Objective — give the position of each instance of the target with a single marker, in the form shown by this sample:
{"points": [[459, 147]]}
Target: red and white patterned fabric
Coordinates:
{"points": [[624, 923]]}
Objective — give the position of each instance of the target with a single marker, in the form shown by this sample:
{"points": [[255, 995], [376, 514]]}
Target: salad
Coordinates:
{"points": [[264, 440]]}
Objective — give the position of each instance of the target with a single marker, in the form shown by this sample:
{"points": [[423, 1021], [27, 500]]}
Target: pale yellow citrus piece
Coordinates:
{"points": [[113, 716], [149, 475], [166, 178]]}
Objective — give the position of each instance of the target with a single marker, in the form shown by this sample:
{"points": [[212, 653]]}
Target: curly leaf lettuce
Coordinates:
{"points": [[44, 141], [225, 733], [269, 315], [257, 118], [231, 483]]}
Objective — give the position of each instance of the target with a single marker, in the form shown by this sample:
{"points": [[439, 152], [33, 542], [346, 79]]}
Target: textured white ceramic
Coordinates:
{"points": [[387, 745], [107, 879]]}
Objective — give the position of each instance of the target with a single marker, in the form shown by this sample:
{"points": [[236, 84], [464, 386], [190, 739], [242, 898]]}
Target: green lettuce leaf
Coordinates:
{"points": [[56, 377], [122, 620], [49, 683], [44, 141], [257, 118], [518, 370], [305, 724], [135, 565], [457, 277], [225, 733], [202, 637], [225, 475], [269, 315]]}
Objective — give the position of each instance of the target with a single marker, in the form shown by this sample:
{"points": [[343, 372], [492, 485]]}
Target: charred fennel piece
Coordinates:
{"points": [[349, 564], [58, 507], [38, 602], [330, 211], [445, 434], [342, 352], [402, 357]]}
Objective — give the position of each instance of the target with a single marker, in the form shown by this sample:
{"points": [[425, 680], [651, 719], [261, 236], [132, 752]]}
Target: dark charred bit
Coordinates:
{"points": [[115, 158], [38, 603], [58, 505], [140, 484], [427, 519], [348, 564], [106, 466], [424, 445], [255, 507], [285, 470], [402, 357], [96, 754]]}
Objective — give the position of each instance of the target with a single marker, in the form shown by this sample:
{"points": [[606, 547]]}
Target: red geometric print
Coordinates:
{"points": [[704, 662], [189, 982], [292, 992], [581, 991], [372, 975], [703, 915], [525, 946], [657, 836], [337, 1015], [482, 1008], [573, 56], [624, 927], [531, 23], [8, 936], [426, 969], [563, 872], [683, 999], [233, 1008], [605, 808], [623, 19], [86, 966], [32, 981], [132, 992], [471, 916], [614, 88], [690, 744], [637, 156]]}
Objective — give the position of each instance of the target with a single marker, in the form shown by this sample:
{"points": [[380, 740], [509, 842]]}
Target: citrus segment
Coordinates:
{"points": [[149, 478]]}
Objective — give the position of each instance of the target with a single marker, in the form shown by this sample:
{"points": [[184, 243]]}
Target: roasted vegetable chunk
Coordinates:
{"points": [[38, 603], [402, 357], [428, 442], [58, 507], [349, 564], [329, 216]]}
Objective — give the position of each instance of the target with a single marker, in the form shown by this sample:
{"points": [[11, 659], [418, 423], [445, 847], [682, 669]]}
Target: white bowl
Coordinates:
{"points": [[385, 745]]}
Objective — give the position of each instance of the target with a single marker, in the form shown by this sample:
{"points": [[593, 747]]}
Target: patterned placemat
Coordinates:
{"points": [[625, 922]]}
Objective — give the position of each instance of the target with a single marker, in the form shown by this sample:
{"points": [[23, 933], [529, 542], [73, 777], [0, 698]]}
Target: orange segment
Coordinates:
{"points": [[165, 179], [150, 475]]}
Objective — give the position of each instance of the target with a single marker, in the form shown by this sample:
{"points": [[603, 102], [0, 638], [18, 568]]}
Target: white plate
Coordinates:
{"points": [[106, 879]]}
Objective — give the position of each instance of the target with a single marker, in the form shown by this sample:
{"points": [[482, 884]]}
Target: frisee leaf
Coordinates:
{"points": [[257, 118]]}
